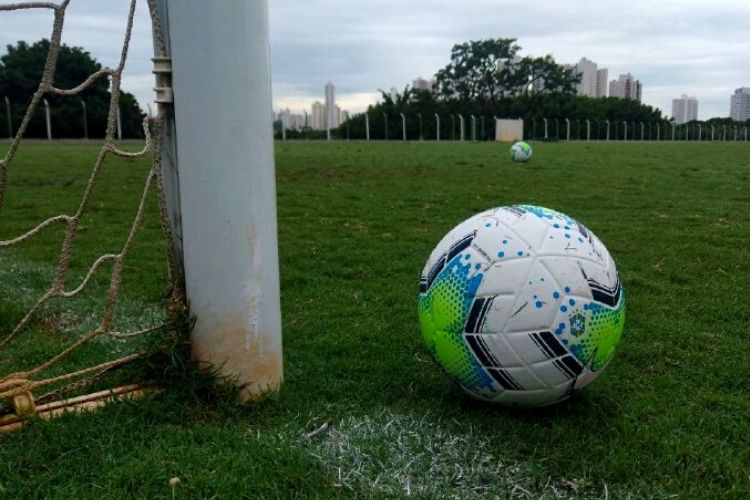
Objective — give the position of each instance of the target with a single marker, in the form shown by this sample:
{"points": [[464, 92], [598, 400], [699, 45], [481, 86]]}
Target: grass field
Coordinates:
{"points": [[670, 416]]}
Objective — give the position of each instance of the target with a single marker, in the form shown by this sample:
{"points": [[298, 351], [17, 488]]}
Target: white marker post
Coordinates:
{"points": [[85, 121], [119, 125], [7, 114], [227, 192], [49, 124]]}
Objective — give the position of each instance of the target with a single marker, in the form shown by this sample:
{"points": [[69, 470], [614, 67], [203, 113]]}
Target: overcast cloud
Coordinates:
{"points": [[673, 47]]}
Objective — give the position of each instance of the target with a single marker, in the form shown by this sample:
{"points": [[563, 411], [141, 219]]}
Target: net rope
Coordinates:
{"points": [[28, 379]]}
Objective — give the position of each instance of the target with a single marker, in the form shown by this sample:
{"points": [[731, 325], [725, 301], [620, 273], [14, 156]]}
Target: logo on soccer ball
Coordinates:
{"points": [[520, 151], [521, 305]]}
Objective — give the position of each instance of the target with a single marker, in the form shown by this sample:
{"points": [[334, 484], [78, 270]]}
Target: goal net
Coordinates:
{"points": [[47, 353], [68, 318]]}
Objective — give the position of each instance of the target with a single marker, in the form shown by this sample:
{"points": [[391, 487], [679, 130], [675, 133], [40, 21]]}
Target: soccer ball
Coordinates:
{"points": [[521, 306], [520, 151]]}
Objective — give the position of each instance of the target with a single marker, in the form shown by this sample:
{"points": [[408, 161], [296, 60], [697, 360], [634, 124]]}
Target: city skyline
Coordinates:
{"points": [[320, 116], [636, 38]]}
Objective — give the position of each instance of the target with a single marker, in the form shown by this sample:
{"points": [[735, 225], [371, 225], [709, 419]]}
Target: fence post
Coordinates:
{"points": [[403, 125], [625, 135], [473, 128], [588, 129], [8, 114], [461, 126], [367, 126], [642, 129], [385, 117], [119, 125], [85, 121], [546, 129], [437, 127], [49, 124], [567, 130]]}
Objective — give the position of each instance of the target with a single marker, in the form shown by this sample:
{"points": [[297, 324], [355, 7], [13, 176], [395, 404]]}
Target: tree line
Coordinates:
{"points": [[21, 70]]}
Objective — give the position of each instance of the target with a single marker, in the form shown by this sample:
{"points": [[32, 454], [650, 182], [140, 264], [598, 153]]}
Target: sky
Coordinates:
{"points": [[673, 47]]}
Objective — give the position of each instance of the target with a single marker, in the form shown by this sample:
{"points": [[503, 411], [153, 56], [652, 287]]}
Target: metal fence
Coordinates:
{"points": [[469, 127]]}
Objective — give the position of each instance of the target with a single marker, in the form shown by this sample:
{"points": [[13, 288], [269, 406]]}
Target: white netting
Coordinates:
{"points": [[22, 382]]}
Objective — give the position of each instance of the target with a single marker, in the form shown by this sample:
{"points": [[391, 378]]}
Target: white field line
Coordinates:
{"points": [[392, 455], [79, 314]]}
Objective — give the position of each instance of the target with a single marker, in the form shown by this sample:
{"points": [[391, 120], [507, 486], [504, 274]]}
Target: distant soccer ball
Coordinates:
{"points": [[521, 305], [520, 151]]}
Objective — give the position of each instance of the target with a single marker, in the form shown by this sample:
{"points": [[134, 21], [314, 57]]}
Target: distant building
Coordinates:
{"points": [[290, 120], [422, 84], [626, 87], [331, 116], [593, 81], [684, 109], [739, 109], [317, 117], [602, 77]]}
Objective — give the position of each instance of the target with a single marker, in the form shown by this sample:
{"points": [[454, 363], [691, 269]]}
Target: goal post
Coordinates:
{"points": [[218, 165]]}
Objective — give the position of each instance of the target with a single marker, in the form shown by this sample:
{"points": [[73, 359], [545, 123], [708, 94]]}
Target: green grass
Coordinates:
{"points": [[670, 416]]}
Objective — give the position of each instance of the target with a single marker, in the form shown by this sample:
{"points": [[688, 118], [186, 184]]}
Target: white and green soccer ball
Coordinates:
{"points": [[521, 305], [520, 152]]}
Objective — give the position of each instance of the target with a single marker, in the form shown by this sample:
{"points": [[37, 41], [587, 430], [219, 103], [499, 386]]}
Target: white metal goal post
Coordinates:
{"points": [[220, 183]]}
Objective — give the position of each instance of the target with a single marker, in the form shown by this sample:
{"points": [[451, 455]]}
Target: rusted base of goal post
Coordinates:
{"points": [[26, 409]]}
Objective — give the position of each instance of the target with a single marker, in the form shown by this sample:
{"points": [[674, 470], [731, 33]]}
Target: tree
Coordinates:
{"points": [[479, 70], [488, 72], [21, 71], [544, 75]]}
